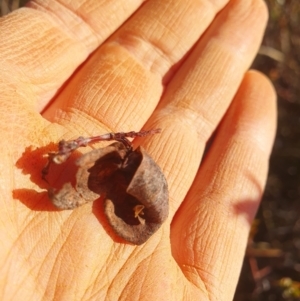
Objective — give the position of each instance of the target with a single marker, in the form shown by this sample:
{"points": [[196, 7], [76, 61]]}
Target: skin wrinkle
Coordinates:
{"points": [[8, 291], [177, 168], [140, 42], [25, 278], [175, 171], [136, 266], [87, 294], [82, 127], [28, 224], [20, 52], [110, 290], [119, 109], [226, 65], [55, 245], [96, 287], [29, 274], [6, 26], [202, 283], [131, 42], [112, 278], [77, 45], [71, 119], [227, 251], [242, 147], [106, 83], [142, 289], [246, 15], [48, 282], [50, 287], [112, 15], [38, 61], [59, 17], [134, 42], [31, 254], [197, 120], [231, 243], [217, 44], [220, 236], [157, 147], [210, 279], [140, 282], [71, 279], [61, 254], [195, 233], [76, 13], [106, 107], [23, 57]]}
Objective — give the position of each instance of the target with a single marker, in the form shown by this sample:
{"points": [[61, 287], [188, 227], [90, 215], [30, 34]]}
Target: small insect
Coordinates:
{"points": [[133, 187]]}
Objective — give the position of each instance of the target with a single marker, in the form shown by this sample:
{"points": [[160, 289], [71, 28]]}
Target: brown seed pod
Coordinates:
{"points": [[69, 197], [133, 185]]}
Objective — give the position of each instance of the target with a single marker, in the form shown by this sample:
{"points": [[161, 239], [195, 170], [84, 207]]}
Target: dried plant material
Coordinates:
{"points": [[139, 205], [69, 197], [66, 148], [138, 211], [131, 183]]}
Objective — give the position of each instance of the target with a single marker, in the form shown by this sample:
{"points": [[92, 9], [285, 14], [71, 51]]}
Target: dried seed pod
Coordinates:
{"points": [[69, 197], [143, 205], [133, 185]]}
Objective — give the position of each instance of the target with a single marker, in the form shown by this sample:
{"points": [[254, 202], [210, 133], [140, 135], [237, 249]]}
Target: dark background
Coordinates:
{"points": [[271, 270]]}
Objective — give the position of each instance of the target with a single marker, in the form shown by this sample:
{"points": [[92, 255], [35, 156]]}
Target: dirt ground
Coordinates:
{"points": [[271, 268]]}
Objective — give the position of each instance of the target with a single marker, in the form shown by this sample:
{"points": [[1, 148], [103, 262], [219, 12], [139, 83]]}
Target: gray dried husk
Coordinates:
{"points": [[126, 179]]}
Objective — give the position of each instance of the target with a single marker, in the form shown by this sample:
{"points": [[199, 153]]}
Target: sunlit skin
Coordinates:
{"points": [[86, 68]]}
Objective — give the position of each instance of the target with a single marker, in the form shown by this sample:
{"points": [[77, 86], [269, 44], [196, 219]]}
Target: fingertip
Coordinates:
{"points": [[256, 105], [211, 227]]}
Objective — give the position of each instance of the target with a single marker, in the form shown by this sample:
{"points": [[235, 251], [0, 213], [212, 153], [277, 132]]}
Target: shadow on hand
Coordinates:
{"points": [[32, 163], [99, 213], [248, 208]]}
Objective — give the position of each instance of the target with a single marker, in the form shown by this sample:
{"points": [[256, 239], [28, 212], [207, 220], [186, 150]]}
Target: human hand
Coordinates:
{"points": [[176, 65]]}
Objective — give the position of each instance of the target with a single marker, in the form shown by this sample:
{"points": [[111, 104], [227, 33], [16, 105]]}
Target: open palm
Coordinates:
{"points": [[83, 68]]}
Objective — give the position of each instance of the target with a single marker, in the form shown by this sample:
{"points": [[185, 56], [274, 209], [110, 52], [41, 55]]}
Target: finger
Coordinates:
{"points": [[201, 91], [212, 225], [122, 82], [43, 43]]}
